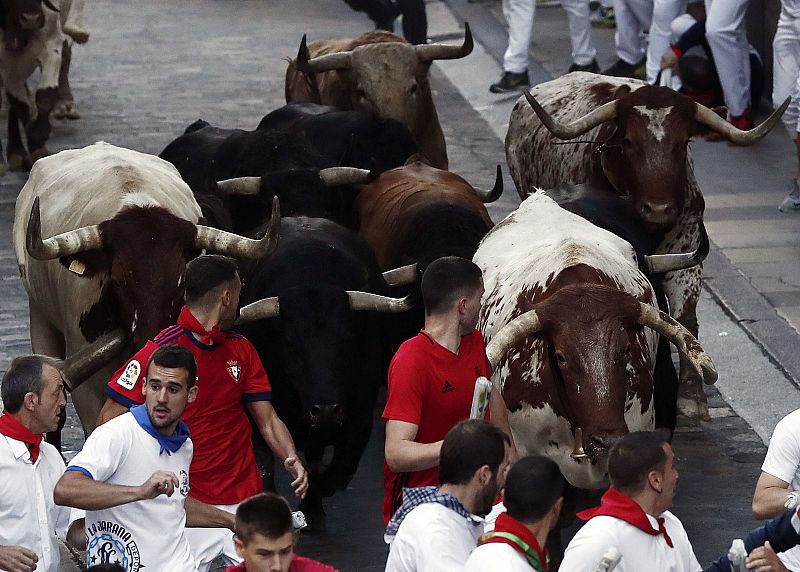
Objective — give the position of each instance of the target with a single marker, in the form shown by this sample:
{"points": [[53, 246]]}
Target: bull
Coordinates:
{"points": [[122, 226], [312, 311], [636, 143], [573, 327], [377, 72]]}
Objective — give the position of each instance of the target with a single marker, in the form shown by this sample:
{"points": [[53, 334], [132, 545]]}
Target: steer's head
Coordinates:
{"points": [[386, 75], [138, 258], [646, 134], [21, 16]]}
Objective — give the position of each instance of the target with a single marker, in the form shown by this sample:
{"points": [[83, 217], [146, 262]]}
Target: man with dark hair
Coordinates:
{"points": [[230, 378], [30, 522], [436, 527], [533, 499], [265, 538], [432, 379], [128, 463], [633, 515]]}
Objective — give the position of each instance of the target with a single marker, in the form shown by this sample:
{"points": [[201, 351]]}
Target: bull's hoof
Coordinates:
{"points": [[39, 153], [66, 110], [693, 409], [79, 34], [17, 162]]}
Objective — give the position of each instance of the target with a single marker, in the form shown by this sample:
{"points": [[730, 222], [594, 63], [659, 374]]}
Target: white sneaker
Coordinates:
{"points": [[791, 203]]}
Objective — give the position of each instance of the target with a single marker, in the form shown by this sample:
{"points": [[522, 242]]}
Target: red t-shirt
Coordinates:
{"points": [[299, 564], [223, 469], [432, 388]]}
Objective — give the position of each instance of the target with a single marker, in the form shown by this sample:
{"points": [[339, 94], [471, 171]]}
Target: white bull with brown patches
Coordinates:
{"points": [[572, 329], [634, 139]]}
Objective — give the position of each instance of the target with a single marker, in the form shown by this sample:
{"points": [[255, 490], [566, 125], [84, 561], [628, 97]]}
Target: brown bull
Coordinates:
{"points": [[377, 72]]}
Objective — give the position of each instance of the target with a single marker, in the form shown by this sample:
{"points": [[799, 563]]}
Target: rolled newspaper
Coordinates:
{"points": [[480, 398]]}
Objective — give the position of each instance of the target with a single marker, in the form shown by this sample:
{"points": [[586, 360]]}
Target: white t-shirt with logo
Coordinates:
{"points": [[783, 461], [144, 535]]}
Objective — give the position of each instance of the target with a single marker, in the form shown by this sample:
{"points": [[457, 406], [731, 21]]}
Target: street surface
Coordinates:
{"points": [[152, 68]]}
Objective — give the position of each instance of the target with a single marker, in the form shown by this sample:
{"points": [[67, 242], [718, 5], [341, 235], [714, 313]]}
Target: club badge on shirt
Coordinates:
{"points": [[130, 375], [111, 543], [234, 370]]}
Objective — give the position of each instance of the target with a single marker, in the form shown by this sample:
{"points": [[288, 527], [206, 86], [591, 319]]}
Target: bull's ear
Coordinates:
{"points": [[622, 91], [701, 129], [87, 264]]}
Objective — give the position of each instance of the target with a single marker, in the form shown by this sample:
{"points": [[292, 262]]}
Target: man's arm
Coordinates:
{"points": [[110, 410], [497, 407], [280, 441], [81, 491], [770, 496], [403, 454], [200, 514]]}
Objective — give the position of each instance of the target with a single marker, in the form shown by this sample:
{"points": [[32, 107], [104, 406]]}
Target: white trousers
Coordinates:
{"points": [[633, 18], [786, 70], [520, 16], [664, 12], [725, 32], [207, 544]]}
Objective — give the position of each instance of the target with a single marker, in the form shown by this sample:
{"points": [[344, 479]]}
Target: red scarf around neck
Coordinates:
{"points": [[620, 506], [506, 524], [11, 427], [188, 321]]}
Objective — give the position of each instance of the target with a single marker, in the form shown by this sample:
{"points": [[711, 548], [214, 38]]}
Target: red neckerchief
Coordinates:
{"points": [[620, 506], [188, 321], [11, 427], [505, 524]]}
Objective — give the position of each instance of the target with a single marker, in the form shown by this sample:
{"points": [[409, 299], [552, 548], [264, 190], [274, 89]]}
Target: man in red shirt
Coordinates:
{"points": [[432, 379], [229, 377]]}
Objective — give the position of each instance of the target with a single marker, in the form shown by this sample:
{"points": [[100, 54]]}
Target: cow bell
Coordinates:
{"points": [[577, 451]]}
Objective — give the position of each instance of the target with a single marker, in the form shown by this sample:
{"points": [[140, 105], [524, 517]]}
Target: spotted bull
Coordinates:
{"points": [[377, 72], [122, 226], [634, 140], [572, 327]]}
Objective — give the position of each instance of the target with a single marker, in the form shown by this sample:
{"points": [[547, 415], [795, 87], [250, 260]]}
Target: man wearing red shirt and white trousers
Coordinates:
{"points": [[223, 471], [432, 379]]}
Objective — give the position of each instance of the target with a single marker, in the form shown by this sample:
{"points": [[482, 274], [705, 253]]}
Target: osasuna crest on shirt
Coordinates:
{"points": [[130, 376], [234, 370]]}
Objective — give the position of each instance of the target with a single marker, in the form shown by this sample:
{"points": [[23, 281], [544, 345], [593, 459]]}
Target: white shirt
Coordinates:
{"points": [[640, 550], [497, 558], [146, 534], [28, 515], [783, 461], [433, 538]]}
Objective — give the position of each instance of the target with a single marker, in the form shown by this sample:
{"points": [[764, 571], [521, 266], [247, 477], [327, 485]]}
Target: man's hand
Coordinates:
{"points": [[669, 60], [159, 483], [764, 559], [298, 471], [17, 559]]}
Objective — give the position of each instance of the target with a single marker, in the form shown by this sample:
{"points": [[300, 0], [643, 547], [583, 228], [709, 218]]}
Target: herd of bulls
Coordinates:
{"points": [[337, 202]]}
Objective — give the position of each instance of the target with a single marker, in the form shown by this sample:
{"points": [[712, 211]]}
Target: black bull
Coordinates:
{"points": [[324, 354]]}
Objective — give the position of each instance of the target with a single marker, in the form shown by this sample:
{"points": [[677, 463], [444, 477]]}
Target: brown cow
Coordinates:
{"points": [[378, 72]]}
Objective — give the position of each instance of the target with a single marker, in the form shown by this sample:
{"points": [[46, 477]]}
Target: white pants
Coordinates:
{"points": [[786, 70], [207, 544], [520, 17], [725, 32], [633, 17], [664, 12]]}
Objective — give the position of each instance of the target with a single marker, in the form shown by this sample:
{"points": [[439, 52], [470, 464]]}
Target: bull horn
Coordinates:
{"points": [[237, 246], [661, 263], [378, 303], [328, 62], [401, 276], [605, 112], [494, 193], [51, 6], [240, 186], [733, 134], [577, 450], [337, 176], [430, 52], [520, 327], [81, 365], [687, 344], [261, 310], [65, 244]]}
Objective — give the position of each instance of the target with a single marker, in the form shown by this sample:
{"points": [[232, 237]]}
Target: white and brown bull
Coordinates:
{"points": [[572, 329], [377, 72], [634, 139], [123, 225]]}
